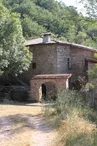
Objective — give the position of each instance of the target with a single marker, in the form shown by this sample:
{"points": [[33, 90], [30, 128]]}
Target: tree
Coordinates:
{"points": [[93, 72], [31, 28], [39, 16], [14, 57], [91, 7]]}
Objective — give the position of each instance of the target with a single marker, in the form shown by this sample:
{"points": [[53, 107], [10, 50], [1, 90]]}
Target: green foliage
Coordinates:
{"points": [[68, 103], [91, 7], [82, 139], [14, 57], [31, 27], [72, 113], [39, 16], [93, 74]]}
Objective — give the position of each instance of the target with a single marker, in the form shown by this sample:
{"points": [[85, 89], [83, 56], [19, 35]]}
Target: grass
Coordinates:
{"points": [[76, 131], [75, 119], [17, 129]]}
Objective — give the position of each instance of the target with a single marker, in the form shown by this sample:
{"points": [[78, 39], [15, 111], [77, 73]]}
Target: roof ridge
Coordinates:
{"points": [[38, 41]]}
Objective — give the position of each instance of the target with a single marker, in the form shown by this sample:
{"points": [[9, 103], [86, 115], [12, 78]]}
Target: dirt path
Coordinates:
{"points": [[43, 133], [22, 127]]}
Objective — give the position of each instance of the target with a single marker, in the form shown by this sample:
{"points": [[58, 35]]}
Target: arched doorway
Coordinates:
{"points": [[44, 91], [54, 83], [49, 91]]}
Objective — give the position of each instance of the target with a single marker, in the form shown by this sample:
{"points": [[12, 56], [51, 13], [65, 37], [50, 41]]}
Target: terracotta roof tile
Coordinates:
{"points": [[92, 60], [52, 76]]}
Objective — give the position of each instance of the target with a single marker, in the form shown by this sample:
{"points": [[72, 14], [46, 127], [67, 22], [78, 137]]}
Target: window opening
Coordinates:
{"points": [[68, 63], [33, 65]]}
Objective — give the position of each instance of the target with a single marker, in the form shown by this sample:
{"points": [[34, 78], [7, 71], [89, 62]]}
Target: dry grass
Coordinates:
{"points": [[16, 128], [73, 126], [78, 126], [33, 109]]}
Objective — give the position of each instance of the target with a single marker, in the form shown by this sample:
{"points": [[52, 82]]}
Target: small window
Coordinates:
{"points": [[33, 65], [69, 63], [86, 64]]}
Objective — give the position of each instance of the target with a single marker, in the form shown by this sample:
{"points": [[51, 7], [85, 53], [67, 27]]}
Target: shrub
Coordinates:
{"points": [[65, 105], [67, 102], [82, 139], [72, 113]]}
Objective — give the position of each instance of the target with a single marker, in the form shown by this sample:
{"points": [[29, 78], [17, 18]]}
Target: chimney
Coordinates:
{"points": [[46, 37]]}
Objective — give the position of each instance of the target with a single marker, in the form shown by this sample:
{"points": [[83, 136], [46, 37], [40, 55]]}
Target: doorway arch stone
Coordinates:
{"points": [[59, 80], [49, 91]]}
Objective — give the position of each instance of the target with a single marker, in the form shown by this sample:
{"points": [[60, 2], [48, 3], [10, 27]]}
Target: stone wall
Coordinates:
{"points": [[45, 58], [63, 56], [60, 81], [79, 56], [58, 59], [91, 65]]}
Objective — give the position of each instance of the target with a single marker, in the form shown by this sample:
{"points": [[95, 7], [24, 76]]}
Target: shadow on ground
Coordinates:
{"points": [[16, 124], [13, 124], [34, 104]]}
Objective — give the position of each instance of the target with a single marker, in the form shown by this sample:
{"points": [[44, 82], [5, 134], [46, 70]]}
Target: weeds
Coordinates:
{"points": [[82, 139], [72, 114]]}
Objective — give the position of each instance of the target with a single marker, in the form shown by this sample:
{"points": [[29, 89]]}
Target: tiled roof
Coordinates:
{"points": [[92, 60], [37, 41], [51, 76], [40, 41]]}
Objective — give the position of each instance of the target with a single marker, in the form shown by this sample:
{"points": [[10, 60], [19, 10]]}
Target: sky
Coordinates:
{"points": [[70, 2], [80, 7]]}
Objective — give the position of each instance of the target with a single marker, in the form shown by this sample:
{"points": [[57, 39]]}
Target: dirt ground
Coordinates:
{"points": [[23, 125]]}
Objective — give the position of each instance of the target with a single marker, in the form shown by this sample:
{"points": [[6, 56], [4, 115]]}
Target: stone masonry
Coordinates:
{"points": [[60, 81], [52, 61]]}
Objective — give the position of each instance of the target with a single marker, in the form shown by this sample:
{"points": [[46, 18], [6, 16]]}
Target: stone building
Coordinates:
{"points": [[53, 62]]}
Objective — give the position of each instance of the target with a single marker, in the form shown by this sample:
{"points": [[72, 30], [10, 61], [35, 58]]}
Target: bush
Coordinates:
{"points": [[72, 113], [67, 102], [82, 139]]}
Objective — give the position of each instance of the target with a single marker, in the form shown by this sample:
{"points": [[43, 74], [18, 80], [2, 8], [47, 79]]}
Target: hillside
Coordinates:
{"points": [[39, 16]]}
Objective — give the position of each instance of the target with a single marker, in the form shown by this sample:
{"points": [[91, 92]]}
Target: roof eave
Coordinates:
{"points": [[65, 43]]}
